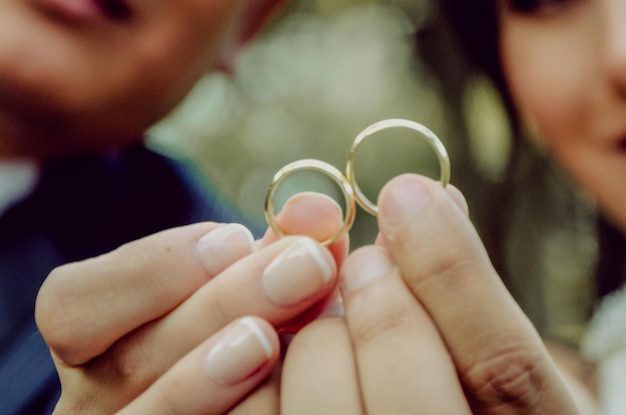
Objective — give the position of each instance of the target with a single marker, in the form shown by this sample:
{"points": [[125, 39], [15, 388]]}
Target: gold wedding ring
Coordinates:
{"points": [[432, 139], [348, 183], [322, 167]]}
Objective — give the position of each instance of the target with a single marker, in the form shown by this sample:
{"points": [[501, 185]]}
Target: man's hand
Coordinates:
{"points": [[429, 327]]}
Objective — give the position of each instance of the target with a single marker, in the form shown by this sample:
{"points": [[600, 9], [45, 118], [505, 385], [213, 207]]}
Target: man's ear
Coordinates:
{"points": [[256, 14]]}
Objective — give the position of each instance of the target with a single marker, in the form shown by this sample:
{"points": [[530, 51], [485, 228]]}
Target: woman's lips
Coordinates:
{"points": [[87, 10]]}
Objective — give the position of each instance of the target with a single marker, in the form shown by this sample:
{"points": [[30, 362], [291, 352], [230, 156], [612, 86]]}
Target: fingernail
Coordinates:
{"points": [[402, 201], [297, 273], [223, 246], [241, 350], [365, 266]]}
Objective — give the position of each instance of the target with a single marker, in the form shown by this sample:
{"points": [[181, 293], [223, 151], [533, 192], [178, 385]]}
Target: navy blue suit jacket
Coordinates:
{"points": [[82, 207]]}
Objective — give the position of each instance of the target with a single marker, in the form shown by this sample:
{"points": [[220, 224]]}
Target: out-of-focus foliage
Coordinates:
{"points": [[327, 69], [320, 75]]}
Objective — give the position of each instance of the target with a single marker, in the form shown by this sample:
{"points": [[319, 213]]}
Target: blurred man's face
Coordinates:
{"points": [[89, 74]]}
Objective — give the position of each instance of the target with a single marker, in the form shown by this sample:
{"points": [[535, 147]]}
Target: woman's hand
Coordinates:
{"points": [[160, 326], [429, 327]]}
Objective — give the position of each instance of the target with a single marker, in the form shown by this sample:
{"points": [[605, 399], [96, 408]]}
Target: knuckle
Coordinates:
{"points": [[510, 377], [54, 314], [130, 365], [443, 263], [218, 308], [387, 320], [438, 246]]}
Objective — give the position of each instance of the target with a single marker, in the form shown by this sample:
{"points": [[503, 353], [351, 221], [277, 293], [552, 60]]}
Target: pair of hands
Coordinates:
{"points": [[184, 321]]}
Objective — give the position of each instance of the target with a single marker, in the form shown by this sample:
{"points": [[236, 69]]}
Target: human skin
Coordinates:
{"points": [[565, 64], [141, 330], [429, 327], [76, 81]]}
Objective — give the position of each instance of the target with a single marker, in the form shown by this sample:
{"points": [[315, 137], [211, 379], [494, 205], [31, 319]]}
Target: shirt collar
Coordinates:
{"points": [[17, 180]]}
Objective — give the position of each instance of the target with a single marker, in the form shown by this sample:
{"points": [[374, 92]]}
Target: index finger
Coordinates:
{"points": [[499, 356], [319, 217]]}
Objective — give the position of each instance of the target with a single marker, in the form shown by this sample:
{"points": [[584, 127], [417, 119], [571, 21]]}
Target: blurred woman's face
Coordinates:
{"points": [[88, 74], [565, 62]]}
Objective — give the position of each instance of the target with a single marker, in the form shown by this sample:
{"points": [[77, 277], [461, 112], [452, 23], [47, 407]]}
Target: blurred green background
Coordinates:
{"points": [[325, 70]]}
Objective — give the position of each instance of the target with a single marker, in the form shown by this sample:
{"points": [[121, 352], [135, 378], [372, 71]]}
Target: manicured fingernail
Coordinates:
{"points": [[404, 198], [298, 272], [241, 350], [365, 266], [223, 246]]}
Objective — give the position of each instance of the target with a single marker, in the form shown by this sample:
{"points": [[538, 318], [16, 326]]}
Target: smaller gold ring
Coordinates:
{"points": [[431, 138], [319, 166]]}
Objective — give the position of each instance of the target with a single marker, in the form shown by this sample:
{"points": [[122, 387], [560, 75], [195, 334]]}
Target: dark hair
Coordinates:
{"points": [[464, 42], [475, 25]]}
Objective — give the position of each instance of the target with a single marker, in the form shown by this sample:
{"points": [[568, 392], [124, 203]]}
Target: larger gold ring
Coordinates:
{"points": [[431, 138], [319, 166]]}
